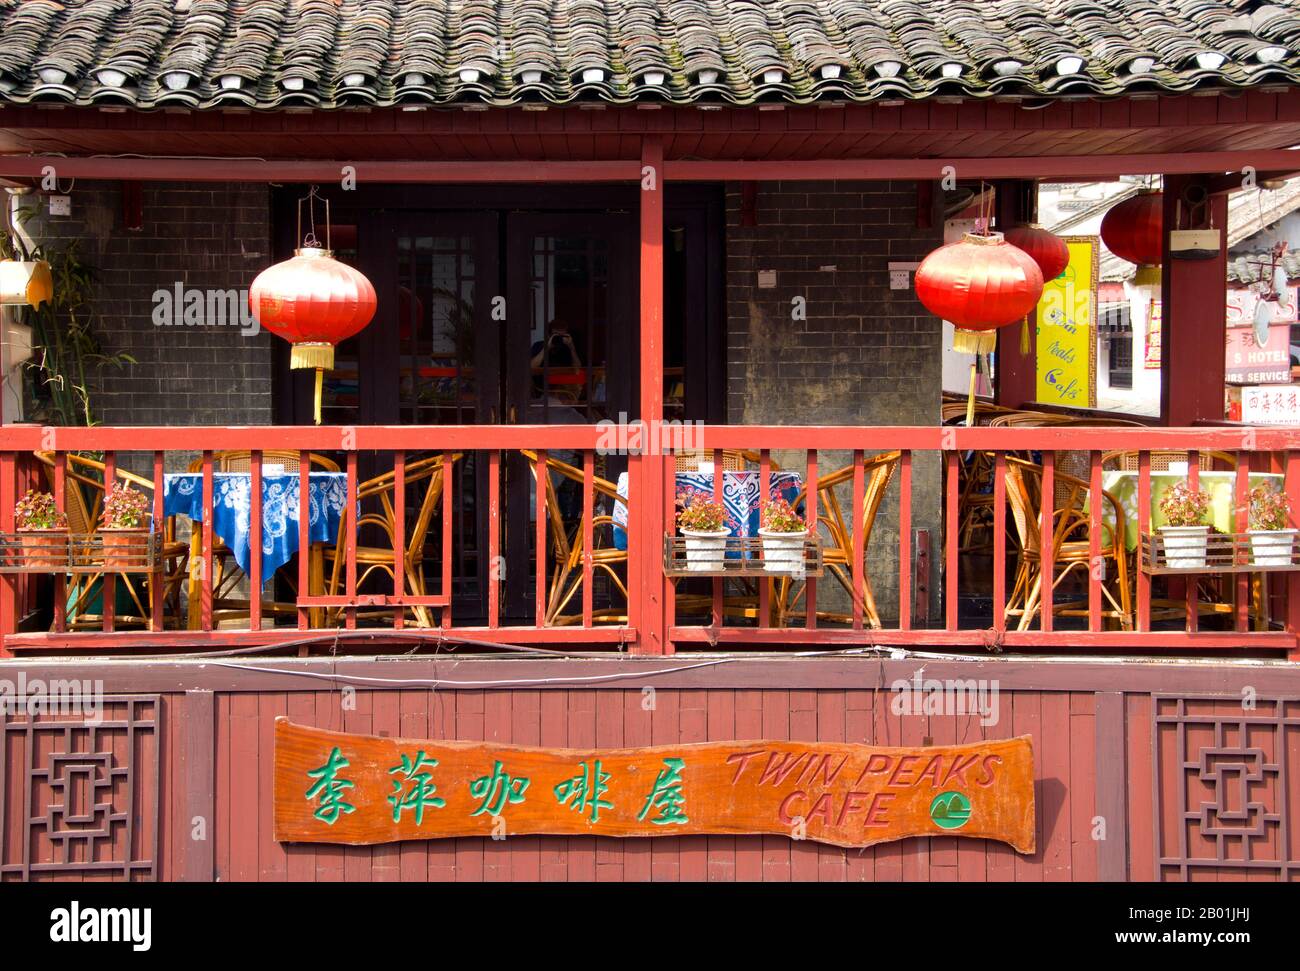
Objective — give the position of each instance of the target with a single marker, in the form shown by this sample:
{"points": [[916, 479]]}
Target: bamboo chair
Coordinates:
{"points": [[567, 547], [954, 412], [83, 500], [837, 551], [1071, 551], [733, 460], [241, 460], [1161, 459], [371, 560]]}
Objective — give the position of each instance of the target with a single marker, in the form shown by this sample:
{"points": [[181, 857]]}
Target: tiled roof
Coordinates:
{"points": [[336, 53]]}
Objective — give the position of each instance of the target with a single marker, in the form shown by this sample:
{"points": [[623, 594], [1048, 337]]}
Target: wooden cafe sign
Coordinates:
{"points": [[356, 789]]}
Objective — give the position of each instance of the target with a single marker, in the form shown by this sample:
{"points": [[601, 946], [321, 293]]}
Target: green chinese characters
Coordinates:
{"points": [[498, 790], [415, 789], [329, 788]]}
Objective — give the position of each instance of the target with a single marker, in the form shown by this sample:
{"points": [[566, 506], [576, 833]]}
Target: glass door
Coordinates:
{"points": [[570, 333]]}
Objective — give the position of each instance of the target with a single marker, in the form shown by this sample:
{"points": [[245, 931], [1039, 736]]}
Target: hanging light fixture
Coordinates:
{"points": [[312, 300], [979, 284], [1133, 230], [1049, 251]]}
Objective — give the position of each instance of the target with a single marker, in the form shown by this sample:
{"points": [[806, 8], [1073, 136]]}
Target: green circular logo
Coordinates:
{"points": [[950, 810]]}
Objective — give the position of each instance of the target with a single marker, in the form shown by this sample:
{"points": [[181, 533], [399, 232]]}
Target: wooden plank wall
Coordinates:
{"points": [[1096, 757], [1062, 722]]}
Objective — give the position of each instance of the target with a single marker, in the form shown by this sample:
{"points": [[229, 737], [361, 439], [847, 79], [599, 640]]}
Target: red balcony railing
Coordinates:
{"points": [[899, 567]]}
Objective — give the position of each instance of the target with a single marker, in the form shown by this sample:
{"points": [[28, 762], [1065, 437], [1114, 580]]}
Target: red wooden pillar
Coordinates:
{"points": [[1192, 296], [646, 581], [1017, 373]]}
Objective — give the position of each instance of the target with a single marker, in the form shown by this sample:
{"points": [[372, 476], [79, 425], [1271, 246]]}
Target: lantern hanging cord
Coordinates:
{"points": [[311, 240]]}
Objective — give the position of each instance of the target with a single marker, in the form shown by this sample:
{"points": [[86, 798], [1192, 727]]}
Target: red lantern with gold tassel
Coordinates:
{"points": [[1049, 251], [314, 302], [1133, 230], [979, 284]]}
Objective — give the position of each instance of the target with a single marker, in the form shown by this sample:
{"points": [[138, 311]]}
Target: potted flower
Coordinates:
{"points": [[784, 532], [703, 523], [124, 527], [1185, 533], [42, 530], [1271, 539]]}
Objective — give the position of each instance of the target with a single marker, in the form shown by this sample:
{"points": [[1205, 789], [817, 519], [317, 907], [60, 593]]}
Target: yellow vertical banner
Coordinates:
{"points": [[1067, 321]]}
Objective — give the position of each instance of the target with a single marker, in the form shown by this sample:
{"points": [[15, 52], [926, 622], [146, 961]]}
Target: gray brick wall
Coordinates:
{"points": [[205, 236], [862, 355]]}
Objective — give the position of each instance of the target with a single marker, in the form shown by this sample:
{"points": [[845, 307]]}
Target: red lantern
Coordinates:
{"points": [[1133, 230], [980, 284], [1049, 251], [313, 301]]}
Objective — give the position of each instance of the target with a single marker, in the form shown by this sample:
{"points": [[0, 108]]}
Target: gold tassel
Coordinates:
{"points": [[974, 341], [1024, 336], [320, 380]]}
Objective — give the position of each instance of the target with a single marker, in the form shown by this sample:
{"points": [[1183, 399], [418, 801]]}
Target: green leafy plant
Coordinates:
{"points": [[778, 516], [1184, 506], [1269, 508], [38, 510], [65, 349], [125, 508], [703, 516]]}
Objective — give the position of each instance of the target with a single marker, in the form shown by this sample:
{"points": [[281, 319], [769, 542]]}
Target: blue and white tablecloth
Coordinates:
{"points": [[740, 497], [232, 508]]}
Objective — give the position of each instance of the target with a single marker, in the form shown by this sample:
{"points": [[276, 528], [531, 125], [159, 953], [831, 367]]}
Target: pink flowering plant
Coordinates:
{"points": [[38, 510], [778, 516], [703, 516], [1184, 506], [125, 508], [1269, 509]]}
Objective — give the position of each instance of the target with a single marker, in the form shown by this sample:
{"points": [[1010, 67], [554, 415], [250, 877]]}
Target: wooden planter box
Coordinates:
{"points": [[743, 558], [1224, 553], [84, 553]]}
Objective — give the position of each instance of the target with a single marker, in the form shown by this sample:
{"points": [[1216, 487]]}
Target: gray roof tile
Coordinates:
{"points": [[336, 53]]}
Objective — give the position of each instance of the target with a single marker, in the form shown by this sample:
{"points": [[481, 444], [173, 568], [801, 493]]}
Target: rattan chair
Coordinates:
{"points": [[1071, 549], [733, 460], [567, 546], [83, 500], [376, 498], [241, 460], [1161, 459], [837, 546]]}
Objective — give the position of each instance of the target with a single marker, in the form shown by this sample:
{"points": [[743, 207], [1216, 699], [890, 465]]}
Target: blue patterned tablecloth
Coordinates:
{"points": [[232, 508], [739, 496]]}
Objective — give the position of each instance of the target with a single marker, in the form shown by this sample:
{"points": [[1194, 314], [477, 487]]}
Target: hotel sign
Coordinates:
{"points": [[332, 787]]}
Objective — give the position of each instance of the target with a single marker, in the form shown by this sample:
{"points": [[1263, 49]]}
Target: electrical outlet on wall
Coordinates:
{"points": [[900, 275]]}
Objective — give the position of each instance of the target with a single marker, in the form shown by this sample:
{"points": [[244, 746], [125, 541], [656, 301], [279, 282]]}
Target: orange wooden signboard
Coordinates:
{"points": [[332, 787]]}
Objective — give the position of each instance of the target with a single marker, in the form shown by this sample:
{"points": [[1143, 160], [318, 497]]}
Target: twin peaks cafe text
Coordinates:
{"points": [[332, 787]]}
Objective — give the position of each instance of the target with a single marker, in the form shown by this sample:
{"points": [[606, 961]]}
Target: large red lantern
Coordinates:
{"points": [[979, 284], [313, 301], [1133, 230], [1049, 251]]}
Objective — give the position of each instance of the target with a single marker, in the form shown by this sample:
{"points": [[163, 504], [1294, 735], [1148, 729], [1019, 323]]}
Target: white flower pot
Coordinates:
{"points": [[1272, 547], [783, 552], [706, 551], [1184, 546]]}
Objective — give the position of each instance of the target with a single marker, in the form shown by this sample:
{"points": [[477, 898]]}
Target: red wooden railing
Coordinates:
{"points": [[934, 453]]}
